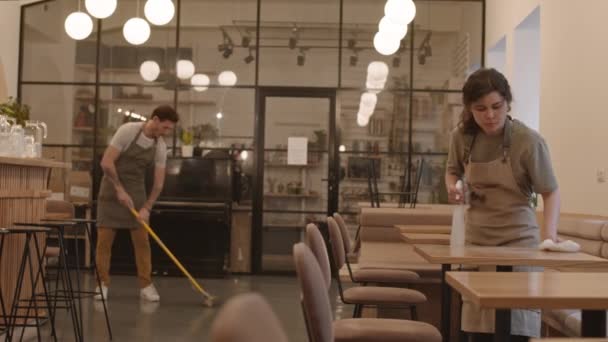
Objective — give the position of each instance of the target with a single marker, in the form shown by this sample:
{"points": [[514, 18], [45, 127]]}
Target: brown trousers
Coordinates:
{"points": [[141, 246]]}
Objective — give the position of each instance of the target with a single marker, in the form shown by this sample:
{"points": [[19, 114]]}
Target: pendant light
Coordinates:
{"points": [[78, 25], [159, 12], [100, 9], [136, 30]]}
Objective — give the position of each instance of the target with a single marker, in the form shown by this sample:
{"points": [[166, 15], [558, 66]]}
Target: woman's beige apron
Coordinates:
{"points": [[131, 168], [500, 214]]}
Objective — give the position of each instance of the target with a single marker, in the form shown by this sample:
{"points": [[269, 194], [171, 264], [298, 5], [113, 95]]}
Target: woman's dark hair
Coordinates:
{"points": [[165, 113], [479, 84]]}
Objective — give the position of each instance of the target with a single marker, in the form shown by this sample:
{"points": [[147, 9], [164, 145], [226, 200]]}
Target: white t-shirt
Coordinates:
{"points": [[127, 132]]}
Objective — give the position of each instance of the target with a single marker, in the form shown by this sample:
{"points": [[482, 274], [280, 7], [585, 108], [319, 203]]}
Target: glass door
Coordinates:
{"points": [[294, 122]]}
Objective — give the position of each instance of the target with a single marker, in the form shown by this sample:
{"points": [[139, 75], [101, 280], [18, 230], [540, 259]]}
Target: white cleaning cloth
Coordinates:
{"points": [[563, 246]]}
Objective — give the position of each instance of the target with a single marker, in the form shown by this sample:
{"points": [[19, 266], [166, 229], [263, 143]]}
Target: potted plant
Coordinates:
{"points": [[186, 138], [15, 110]]}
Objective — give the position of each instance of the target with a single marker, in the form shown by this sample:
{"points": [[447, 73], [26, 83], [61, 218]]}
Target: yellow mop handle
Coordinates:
{"points": [[177, 263]]}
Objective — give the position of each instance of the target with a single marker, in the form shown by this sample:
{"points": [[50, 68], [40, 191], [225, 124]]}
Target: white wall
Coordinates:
{"points": [[9, 47], [573, 87], [526, 70]]}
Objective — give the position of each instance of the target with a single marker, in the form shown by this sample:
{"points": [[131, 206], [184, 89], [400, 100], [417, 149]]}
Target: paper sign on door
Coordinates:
{"points": [[297, 151]]}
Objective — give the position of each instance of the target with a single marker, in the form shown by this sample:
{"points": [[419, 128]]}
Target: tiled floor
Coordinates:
{"points": [[180, 316]]}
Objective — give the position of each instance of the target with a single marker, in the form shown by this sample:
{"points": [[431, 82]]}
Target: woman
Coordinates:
{"points": [[503, 163]]}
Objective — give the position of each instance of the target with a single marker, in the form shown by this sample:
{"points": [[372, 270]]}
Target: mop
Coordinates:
{"points": [[208, 299]]}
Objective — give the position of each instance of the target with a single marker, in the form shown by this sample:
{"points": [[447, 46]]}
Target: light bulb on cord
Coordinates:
{"points": [[185, 69], [100, 9], [400, 12], [149, 71], [136, 31], [219, 115], [159, 12], [78, 25], [342, 148], [227, 78], [362, 120], [244, 155], [388, 26], [200, 82], [385, 43]]}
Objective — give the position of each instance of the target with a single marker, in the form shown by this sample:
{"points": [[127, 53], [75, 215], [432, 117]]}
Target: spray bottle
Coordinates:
{"points": [[457, 235]]}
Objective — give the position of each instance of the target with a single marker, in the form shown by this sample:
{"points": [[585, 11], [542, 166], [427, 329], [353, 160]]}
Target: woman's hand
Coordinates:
{"points": [[124, 198]]}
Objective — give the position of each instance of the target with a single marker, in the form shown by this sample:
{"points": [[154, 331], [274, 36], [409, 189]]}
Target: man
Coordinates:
{"points": [[134, 148]]}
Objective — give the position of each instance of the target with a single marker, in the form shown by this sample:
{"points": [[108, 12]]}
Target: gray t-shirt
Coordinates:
{"points": [[529, 155], [127, 132]]}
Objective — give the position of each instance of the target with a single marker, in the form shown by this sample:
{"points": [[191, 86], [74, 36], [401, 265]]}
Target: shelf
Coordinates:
{"points": [[276, 165], [145, 101], [82, 129], [269, 195], [284, 226]]}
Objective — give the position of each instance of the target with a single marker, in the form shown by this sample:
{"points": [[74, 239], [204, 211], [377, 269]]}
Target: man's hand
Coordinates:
{"points": [[455, 195], [124, 198], [144, 214]]}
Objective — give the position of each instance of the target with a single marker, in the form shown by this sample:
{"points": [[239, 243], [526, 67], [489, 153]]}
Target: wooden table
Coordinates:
{"points": [[423, 229], [536, 290], [433, 239], [568, 339], [502, 257], [23, 193]]}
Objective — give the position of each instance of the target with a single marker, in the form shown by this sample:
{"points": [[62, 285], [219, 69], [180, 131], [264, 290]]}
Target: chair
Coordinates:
{"points": [[386, 276], [247, 318], [360, 296], [405, 196], [58, 211], [317, 311]]}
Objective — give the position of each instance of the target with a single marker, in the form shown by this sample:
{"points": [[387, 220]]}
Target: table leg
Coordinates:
{"points": [[446, 301], [593, 323], [502, 322]]}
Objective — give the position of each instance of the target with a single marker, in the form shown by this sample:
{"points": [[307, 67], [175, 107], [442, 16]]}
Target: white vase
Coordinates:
{"points": [[187, 151]]}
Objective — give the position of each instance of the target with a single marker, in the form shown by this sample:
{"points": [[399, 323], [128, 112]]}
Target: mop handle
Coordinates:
{"points": [[164, 248]]}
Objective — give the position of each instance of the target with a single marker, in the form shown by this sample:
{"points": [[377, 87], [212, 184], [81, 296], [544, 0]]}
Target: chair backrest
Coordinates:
{"points": [[314, 297], [348, 244], [316, 243], [337, 244], [247, 317], [58, 207]]}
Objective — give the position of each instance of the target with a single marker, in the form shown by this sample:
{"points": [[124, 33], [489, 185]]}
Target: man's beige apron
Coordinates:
{"points": [[131, 168], [500, 214]]}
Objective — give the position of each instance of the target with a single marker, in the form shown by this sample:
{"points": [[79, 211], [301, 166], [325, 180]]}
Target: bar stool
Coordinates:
{"points": [[10, 319], [67, 294], [87, 223]]}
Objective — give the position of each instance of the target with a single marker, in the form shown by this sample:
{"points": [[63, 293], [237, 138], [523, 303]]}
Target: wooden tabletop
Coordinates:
{"points": [[423, 229], [534, 290], [437, 239], [506, 256], [569, 339], [36, 162]]}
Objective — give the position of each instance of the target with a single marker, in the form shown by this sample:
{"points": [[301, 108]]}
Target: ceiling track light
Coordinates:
{"points": [[293, 40], [353, 59], [301, 59], [250, 57]]}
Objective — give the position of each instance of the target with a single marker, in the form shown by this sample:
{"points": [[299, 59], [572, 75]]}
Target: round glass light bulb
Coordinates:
{"points": [[385, 44], [149, 71], [219, 115], [362, 120], [159, 12], [200, 82], [185, 69], [100, 9], [400, 12], [227, 78], [136, 31], [78, 25], [388, 26], [342, 148], [377, 70]]}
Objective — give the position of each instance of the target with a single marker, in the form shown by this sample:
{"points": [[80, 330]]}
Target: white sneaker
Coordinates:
{"points": [[149, 293], [104, 291]]}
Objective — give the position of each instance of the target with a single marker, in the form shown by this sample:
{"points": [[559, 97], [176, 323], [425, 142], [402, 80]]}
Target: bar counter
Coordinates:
{"points": [[23, 193]]}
